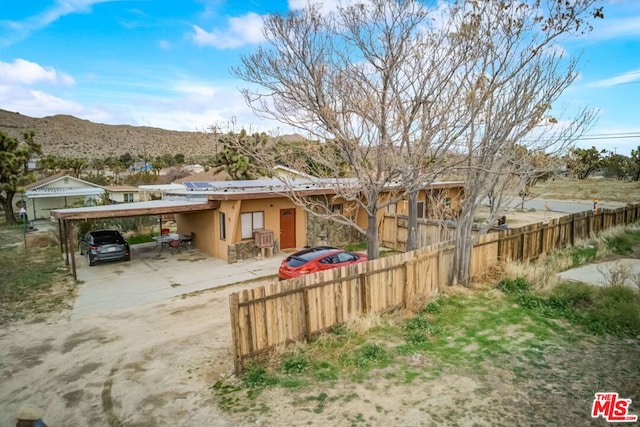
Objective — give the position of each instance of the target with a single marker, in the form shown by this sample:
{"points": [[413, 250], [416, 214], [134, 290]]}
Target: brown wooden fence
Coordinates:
{"points": [[268, 316]]}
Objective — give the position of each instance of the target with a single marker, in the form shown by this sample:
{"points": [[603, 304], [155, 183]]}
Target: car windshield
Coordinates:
{"points": [[104, 237]]}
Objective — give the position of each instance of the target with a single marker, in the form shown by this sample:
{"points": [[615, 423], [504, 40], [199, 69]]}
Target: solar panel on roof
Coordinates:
{"points": [[189, 185], [201, 185]]}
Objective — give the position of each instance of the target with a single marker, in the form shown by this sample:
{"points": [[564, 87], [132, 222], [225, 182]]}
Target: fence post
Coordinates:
{"points": [[409, 276], [307, 318], [233, 308], [363, 293]]}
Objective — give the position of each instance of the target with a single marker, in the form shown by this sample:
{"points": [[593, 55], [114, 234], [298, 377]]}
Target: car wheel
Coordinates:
{"points": [[89, 261], [127, 258]]}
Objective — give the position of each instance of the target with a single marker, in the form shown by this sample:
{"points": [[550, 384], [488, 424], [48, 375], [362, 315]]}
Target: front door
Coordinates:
{"points": [[287, 228]]}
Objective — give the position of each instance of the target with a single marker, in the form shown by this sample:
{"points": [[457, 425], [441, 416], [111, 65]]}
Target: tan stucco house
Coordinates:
{"points": [[246, 207]]}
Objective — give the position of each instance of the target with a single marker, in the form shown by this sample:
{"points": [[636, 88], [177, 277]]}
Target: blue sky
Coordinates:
{"points": [[166, 63]]}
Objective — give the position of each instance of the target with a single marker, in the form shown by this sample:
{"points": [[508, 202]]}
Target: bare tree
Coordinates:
{"points": [[399, 93], [517, 75], [336, 77]]}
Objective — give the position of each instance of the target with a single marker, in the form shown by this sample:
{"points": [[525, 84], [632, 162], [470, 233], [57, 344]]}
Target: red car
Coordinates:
{"points": [[316, 259]]}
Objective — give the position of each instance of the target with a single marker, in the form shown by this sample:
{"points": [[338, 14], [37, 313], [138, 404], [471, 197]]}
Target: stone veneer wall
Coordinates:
{"points": [[241, 251], [245, 250], [322, 231]]}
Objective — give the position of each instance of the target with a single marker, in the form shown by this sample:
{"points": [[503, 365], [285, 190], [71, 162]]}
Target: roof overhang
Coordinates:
{"points": [[63, 192], [153, 207]]}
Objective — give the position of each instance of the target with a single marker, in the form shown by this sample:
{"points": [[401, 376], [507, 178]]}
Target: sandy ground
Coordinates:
{"points": [[147, 366], [153, 365]]}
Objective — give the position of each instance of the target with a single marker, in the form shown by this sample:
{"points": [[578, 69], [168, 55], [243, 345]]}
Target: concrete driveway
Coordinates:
{"points": [[151, 277]]}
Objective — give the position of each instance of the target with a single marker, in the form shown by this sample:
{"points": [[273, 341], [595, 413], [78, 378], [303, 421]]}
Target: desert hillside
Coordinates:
{"points": [[68, 136]]}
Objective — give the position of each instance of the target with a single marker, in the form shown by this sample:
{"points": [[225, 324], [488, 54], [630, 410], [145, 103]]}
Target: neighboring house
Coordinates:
{"points": [[285, 172], [247, 207], [439, 200], [122, 193], [56, 192]]}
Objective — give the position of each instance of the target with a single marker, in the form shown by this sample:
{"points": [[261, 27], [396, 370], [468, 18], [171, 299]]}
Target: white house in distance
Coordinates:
{"points": [[122, 193], [58, 191]]}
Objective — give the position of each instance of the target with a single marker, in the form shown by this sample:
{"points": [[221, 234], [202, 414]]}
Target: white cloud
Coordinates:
{"points": [[37, 103], [325, 6], [612, 28], [626, 78], [21, 30], [241, 30], [26, 72]]}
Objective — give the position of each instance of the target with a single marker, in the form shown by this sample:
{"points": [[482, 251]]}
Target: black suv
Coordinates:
{"points": [[104, 245]]}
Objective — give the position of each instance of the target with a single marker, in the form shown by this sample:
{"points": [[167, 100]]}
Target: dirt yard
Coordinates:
{"points": [[154, 365]]}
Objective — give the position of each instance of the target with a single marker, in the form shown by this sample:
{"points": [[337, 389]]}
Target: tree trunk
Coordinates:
{"points": [[373, 247], [461, 274], [7, 206], [412, 239]]}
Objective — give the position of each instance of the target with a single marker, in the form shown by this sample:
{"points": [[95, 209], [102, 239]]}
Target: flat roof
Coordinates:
{"points": [[152, 207], [277, 188]]}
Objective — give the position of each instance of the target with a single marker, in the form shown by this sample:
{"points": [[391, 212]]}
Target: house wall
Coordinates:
{"points": [[118, 197], [207, 227], [203, 224], [434, 202], [271, 209]]}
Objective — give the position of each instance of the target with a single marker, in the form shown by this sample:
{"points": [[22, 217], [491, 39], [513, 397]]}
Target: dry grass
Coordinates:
{"points": [[605, 189], [542, 273], [363, 324]]}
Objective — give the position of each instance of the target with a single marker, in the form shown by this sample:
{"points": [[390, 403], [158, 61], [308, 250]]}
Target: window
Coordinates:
{"points": [[392, 208], [420, 210], [447, 202], [128, 197], [337, 208], [223, 226], [345, 257], [251, 221]]}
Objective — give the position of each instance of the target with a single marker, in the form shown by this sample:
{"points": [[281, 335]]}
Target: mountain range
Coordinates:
{"points": [[68, 136]]}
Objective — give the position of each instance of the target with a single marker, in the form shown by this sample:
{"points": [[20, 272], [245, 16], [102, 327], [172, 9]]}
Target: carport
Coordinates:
{"points": [[66, 217]]}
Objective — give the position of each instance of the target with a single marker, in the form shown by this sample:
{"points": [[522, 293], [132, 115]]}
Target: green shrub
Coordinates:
{"points": [[417, 323], [572, 294], [294, 364], [325, 371], [531, 301], [371, 353], [581, 256], [514, 286], [257, 376], [616, 311], [621, 244], [140, 238], [433, 307], [416, 338], [355, 247]]}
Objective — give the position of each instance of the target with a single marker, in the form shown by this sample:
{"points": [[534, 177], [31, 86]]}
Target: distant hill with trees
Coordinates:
{"points": [[70, 137]]}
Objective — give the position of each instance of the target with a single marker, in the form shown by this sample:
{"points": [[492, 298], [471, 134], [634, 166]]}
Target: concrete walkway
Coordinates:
{"points": [[599, 274], [152, 277]]}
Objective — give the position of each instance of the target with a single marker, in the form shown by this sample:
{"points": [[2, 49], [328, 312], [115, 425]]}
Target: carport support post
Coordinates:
{"points": [[71, 250], [60, 235]]}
